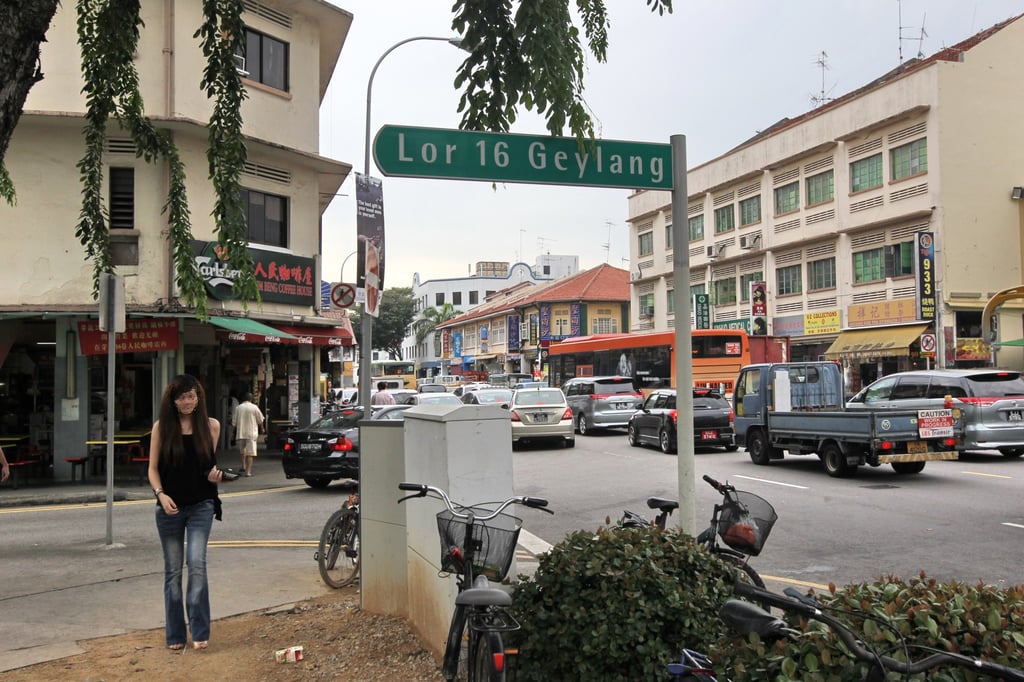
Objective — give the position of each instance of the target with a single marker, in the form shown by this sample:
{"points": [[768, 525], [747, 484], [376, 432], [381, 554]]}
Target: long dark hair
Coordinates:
{"points": [[172, 448]]}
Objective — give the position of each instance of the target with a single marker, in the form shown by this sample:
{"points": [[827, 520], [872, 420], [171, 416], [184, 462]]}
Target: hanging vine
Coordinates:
{"points": [[108, 33]]}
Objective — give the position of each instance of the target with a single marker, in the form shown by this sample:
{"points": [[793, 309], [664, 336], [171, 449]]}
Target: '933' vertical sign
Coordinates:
{"points": [[926, 275]]}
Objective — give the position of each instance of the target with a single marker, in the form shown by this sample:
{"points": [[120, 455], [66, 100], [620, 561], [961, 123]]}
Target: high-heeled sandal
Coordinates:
{"points": [[175, 647], [199, 646]]}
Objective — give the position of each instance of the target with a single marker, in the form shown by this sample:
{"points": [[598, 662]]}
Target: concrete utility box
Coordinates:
{"points": [[466, 450]]}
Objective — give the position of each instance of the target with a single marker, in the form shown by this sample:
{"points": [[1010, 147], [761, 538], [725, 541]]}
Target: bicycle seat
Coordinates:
{"points": [[743, 618], [662, 504], [483, 596]]}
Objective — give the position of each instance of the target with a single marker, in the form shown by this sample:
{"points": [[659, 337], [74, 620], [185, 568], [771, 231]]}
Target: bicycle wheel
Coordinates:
{"points": [[338, 554], [744, 571], [487, 644], [456, 656]]}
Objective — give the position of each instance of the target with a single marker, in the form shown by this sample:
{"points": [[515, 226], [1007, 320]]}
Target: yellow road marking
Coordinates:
{"points": [[126, 503], [791, 581], [978, 473]]}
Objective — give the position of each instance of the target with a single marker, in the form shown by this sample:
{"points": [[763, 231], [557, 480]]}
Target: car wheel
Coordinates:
{"points": [[1012, 453], [581, 425], [834, 459], [632, 436], [317, 482], [665, 441], [732, 448], [757, 446], [908, 467], [569, 443]]}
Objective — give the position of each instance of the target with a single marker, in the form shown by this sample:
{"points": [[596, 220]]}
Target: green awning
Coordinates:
{"points": [[1015, 342], [244, 325]]}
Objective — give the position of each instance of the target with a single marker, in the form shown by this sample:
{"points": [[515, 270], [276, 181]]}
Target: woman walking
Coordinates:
{"points": [[184, 475]]}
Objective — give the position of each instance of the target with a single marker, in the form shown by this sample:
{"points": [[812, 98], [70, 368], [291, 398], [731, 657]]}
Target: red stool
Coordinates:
{"points": [[76, 464]]}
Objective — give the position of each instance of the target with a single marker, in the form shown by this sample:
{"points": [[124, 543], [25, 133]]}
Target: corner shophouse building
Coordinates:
{"points": [[52, 367]]}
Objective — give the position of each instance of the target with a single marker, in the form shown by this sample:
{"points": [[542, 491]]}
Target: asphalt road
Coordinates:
{"points": [[959, 520], [61, 582]]}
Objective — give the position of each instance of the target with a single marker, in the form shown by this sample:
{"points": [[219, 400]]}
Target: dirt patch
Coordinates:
{"points": [[340, 641]]}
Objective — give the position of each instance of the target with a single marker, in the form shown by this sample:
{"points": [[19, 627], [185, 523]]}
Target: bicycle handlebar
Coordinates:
{"points": [[809, 610], [422, 490], [720, 487]]}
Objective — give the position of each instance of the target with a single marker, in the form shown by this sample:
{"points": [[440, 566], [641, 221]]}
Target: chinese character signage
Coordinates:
{"points": [[575, 315], [513, 332], [759, 308], [534, 324], [824, 322], [926, 275], [281, 277], [141, 336], [545, 322], [457, 344], [702, 311], [901, 311]]}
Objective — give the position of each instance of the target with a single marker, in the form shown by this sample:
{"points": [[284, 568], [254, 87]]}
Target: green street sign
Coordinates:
{"points": [[503, 157]]}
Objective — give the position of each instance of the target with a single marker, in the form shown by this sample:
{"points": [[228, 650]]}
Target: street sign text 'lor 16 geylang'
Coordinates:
{"points": [[504, 157]]}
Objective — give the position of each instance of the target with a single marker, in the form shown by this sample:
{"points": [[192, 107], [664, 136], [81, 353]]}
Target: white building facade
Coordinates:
{"points": [[48, 316], [874, 224]]}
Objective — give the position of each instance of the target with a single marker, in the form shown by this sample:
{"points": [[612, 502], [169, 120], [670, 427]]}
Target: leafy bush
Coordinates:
{"points": [[980, 620], [617, 604]]}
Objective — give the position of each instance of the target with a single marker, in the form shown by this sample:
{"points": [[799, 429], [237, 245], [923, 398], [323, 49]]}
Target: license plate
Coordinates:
{"points": [[540, 417], [709, 435], [1015, 415], [309, 447], [622, 406], [917, 447]]}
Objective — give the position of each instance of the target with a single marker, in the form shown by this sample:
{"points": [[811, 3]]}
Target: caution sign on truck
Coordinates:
{"points": [[935, 423]]}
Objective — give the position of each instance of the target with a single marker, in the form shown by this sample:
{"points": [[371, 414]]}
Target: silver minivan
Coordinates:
{"points": [[601, 402], [991, 401]]}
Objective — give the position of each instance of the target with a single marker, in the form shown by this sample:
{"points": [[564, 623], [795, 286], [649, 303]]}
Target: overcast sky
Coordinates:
{"points": [[716, 71]]}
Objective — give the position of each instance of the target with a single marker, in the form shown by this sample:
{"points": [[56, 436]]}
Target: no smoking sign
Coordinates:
{"points": [[928, 343], [342, 295]]}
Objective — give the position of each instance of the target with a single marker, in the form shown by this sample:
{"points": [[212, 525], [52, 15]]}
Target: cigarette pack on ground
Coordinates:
{"points": [[289, 655]]}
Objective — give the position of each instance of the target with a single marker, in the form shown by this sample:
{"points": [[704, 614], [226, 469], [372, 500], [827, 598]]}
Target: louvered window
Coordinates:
{"points": [[122, 198]]}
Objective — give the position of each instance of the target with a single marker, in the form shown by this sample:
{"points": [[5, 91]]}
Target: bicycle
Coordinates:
{"points": [[742, 521], [745, 618], [477, 545], [337, 556]]}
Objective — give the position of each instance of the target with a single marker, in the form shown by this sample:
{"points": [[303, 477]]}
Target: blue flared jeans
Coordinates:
{"points": [[192, 522]]}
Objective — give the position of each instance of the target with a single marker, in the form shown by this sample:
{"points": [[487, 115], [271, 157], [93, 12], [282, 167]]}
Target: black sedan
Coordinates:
{"points": [[655, 422], [328, 449]]}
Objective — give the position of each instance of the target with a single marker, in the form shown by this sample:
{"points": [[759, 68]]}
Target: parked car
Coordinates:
{"points": [[655, 422], [463, 389], [601, 402], [401, 395], [431, 399], [991, 402], [432, 388], [489, 396], [541, 414]]}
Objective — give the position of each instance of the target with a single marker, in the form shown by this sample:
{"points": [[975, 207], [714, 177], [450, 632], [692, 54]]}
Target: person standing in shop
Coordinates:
{"points": [[249, 423]]}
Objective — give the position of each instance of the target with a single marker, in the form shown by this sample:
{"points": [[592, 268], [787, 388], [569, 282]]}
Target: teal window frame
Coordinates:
{"points": [[725, 219], [745, 281], [869, 266], [820, 188], [909, 159], [645, 244], [866, 173], [787, 198], [725, 291], [821, 274], [750, 211], [789, 280], [696, 227]]}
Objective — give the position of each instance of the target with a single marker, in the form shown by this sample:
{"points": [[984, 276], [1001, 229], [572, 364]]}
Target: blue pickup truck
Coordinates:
{"points": [[799, 408]]}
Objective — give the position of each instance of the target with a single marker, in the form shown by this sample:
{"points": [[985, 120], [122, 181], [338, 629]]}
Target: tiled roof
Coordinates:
{"points": [[602, 283]]}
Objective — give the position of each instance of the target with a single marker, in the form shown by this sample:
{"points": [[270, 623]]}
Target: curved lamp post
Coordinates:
{"points": [[366, 332]]}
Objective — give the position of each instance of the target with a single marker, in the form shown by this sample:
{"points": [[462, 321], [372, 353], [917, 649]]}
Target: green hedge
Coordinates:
{"points": [[607, 605], [975, 620], [619, 604]]}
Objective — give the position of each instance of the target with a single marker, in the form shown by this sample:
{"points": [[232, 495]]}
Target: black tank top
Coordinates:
{"points": [[186, 483]]}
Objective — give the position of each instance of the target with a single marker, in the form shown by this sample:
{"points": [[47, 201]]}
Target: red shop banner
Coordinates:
{"points": [[141, 336]]}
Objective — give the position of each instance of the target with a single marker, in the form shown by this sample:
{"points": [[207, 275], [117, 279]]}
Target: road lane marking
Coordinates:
{"points": [[248, 544], [123, 503], [979, 473], [1013, 525], [765, 480]]}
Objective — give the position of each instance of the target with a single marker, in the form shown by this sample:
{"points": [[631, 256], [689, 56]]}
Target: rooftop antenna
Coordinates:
{"points": [[607, 246], [519, 255], [920, 41], [541, 243], [822, 97], [901, 27]]}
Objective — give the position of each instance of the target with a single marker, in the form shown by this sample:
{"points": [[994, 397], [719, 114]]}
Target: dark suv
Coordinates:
{"points": [[655, 422], [601, 402]]}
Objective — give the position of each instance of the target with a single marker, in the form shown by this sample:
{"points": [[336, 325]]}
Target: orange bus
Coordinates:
{"points": [[718, 355]]}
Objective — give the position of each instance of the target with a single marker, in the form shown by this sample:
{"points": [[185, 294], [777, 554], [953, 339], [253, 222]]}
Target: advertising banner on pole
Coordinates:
{"points": [[370, 225]]}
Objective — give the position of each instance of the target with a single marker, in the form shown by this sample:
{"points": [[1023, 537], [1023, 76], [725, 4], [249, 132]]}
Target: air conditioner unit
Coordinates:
{"points": [[712, 252], [746, 243], [647, 311], [634, 276]]}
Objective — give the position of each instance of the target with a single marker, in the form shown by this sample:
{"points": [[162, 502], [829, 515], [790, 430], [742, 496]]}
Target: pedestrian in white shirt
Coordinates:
{"points": [[248, 422]]}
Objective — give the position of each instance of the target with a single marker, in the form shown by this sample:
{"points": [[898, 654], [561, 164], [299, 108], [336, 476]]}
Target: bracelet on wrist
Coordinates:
{"points": [[157, 492]]}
